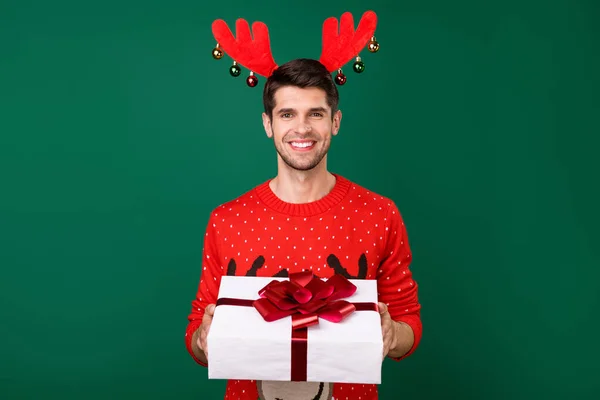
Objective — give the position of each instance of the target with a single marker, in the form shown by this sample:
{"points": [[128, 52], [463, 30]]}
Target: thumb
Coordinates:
{"points": [[209, 310], [382, 307]]}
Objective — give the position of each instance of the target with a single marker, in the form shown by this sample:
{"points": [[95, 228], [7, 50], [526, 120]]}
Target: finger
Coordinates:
{"points": [[204, 349], [386, 338], [203, 343], [209, 312], [386, 347], [385, 320], [200, 343], [387, 332], [382, 308], [205, 330]]}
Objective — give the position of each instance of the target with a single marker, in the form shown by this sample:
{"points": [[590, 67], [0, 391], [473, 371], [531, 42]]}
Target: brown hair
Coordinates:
{"points": [[303, 73]]}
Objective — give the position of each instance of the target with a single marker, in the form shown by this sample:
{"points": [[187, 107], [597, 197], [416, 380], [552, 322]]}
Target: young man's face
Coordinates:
{"points": [[302, 126]]}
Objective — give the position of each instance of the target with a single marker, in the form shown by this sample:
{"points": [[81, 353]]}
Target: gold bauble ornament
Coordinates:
{"points": [[217, 53], [373, 45]]}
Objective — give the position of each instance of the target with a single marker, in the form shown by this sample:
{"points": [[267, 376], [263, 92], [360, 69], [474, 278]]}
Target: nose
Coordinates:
{"points": [[303, 127]]}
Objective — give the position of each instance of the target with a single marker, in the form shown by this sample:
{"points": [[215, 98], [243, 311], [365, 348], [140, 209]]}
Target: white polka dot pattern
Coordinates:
{"points": [[351, 231]]}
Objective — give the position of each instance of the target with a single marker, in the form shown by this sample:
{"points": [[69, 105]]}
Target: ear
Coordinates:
{"points": [[337, 120], [267, 125]]}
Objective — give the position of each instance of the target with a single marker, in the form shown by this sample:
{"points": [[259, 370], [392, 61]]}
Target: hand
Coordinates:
{"points": [[204, 328], [388, 329]]}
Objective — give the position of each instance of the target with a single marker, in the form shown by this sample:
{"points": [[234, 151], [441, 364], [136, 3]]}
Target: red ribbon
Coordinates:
{"points": [[305, 298]]}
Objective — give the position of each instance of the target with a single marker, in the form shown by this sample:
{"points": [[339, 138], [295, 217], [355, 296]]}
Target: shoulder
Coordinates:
{"points": [[367, 199], [242, 204], [378, 208]]}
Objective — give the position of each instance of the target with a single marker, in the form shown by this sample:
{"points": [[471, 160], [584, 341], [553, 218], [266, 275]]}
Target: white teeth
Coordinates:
{"points": [[303, 144]]}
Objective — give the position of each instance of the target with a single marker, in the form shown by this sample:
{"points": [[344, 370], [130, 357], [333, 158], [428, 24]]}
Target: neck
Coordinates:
{"points": [[298, 187]]}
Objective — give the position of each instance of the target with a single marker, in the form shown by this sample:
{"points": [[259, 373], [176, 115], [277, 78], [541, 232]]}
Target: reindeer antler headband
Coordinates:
{"points": [[338, 48]]}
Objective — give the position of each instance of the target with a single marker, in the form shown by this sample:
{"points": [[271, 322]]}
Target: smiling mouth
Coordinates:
{"points": [[304, 145]]}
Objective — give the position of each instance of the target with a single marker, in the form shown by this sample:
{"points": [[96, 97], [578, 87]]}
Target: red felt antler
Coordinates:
{"points": [[340, 48], [254, 55]]}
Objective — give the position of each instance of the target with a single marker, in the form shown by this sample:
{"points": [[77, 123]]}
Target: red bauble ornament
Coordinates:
{"points": [[252, 80], [340, 78]]}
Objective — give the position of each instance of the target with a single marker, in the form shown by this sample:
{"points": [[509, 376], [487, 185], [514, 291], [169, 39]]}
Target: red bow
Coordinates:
{"points": [[307, 298]]}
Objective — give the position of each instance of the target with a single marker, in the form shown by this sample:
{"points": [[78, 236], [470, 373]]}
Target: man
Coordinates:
{"points": [[308, 218]]}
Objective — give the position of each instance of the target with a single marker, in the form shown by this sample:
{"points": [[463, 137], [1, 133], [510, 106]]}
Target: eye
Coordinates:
{"points": [[286, 115], [317, 114]]}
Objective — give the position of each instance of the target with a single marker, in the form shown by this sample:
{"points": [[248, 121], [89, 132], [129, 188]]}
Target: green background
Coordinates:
{"points": [[119, 133]]}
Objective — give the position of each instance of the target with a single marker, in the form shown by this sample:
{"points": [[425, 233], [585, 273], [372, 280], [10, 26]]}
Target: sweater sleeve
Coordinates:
{"points": [[208, 287], [396, 286]]}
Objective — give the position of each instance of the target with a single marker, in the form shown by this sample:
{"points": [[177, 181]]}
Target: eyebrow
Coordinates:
{"points": [[313, 109]]}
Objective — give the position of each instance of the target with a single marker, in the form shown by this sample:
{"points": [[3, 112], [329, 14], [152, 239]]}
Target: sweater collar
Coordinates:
{"points": [[331, 199]]}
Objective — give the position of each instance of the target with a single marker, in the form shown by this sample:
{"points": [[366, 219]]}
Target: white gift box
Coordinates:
{"points": [[242, 345]]}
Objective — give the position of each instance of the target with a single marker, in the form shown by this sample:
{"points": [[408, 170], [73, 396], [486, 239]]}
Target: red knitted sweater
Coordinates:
{"points": [[351, 231]]}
